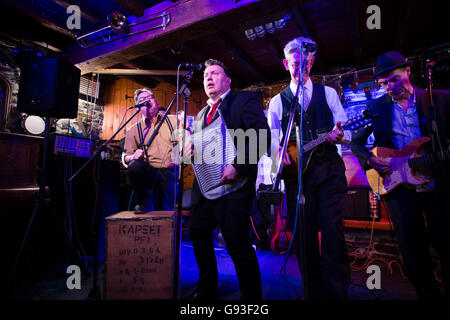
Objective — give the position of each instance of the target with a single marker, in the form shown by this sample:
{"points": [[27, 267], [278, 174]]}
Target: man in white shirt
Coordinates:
{"points": [[324, 184]]}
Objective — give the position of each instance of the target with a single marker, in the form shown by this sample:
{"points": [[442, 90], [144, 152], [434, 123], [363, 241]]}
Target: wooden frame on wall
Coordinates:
{"points": [[4, 106]]}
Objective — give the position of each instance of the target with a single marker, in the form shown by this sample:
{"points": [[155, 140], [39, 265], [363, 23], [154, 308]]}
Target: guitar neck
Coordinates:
{"points": [[315, 143], [428, 159], [352, 124]]}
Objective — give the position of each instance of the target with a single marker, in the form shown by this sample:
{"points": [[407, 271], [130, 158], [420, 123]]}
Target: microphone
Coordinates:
{"points": [[140, 105], [197, 66], [309, 47]]}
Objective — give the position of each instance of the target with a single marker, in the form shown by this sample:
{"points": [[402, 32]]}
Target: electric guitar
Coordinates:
{"points": [[311, 149], [406, 164], [279, 234]]}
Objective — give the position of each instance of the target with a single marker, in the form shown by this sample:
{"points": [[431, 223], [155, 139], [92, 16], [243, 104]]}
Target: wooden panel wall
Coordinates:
{"points": [[116, 103]]}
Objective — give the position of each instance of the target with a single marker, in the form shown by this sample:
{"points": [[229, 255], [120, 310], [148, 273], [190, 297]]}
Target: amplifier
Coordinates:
{"points": [[72, 146], [361, 204]]}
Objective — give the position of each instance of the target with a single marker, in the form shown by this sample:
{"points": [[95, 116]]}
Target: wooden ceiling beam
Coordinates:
{"points": [[172, 63], [241, 56], [402, 24], [135, 7], [300, 22], [141, 66], [139, 72], [305, 30], [33, 13], [86, 13], [199, 55], [164, 60], [189, 20], [20, 27], [274, 49], [352, 19]]}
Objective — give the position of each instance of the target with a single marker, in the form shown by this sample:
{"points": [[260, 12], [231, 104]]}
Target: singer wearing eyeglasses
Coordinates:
{"points": [[324, 183], [151, 171]]}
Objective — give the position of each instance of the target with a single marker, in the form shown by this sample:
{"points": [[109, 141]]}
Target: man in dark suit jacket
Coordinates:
{"points": [[403, 115], [229, 211]]}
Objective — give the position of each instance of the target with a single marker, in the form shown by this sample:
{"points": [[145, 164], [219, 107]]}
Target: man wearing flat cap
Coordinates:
{"points": [[420, 214]]}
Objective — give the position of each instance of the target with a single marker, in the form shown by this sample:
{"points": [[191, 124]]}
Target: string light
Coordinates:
{"points": [[269, 27]]}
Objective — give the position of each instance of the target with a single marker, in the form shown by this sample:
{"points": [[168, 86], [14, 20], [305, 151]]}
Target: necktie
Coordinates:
{"points": [[212, 112]]}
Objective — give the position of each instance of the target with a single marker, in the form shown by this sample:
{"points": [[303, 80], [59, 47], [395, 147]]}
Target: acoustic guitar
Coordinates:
{"points": [[311, 149], [408, 166]]}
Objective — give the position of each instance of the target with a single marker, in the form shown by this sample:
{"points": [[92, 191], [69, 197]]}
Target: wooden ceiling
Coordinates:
{"points": [[202, 29]]}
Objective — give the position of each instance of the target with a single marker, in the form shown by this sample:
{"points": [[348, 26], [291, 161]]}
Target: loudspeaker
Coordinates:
{"points": [[49, 86], [357, 204]]}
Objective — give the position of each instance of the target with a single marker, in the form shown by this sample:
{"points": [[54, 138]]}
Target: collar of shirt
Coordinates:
{"points": [[413, 96], [149, 122], [308, 91], [210, 102]]}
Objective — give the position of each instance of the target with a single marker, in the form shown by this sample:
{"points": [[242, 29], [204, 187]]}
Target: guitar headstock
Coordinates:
{"points": [[362, 120]]}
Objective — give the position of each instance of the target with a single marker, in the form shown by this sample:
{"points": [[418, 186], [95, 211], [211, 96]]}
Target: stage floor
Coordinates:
{"points": [[281, 280]]}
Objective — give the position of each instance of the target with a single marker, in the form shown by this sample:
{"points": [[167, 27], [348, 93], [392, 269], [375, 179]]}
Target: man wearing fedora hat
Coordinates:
{"points": [[421, 213]]}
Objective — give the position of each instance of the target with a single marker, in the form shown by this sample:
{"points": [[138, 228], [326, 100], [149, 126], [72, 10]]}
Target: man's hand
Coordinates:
{"points": [[188, 150], [336, 135], [139, 154], [287, 158], [382, 166], [229, 174]]}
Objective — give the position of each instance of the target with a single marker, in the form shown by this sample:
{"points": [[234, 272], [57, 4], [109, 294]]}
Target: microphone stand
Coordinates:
{"points": [[99, 149], [433, 124], [274, 195], [95, 293], [178, 228], [179, 216], [182, 90], [186, 80]]}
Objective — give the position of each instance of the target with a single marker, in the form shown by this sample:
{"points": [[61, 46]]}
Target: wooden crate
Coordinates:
{"points": [[139, 255]]}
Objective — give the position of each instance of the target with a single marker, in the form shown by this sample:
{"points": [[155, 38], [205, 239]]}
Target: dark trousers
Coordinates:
{"points": [[158, 185], [232, 216], [421, 219], [327, 275]]}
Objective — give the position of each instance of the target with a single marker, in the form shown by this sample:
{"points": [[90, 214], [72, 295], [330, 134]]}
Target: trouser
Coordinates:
{"points": [[157, 184], [325, 271], [421, 219], [232, 217]]}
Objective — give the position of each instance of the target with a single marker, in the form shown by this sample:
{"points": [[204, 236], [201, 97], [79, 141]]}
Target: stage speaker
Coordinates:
{"points": [[357, 204], [49, 86]]}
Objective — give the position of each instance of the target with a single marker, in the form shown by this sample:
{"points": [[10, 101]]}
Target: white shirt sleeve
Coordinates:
{"points": [[274, 117], [338, 111], [267, 166]]}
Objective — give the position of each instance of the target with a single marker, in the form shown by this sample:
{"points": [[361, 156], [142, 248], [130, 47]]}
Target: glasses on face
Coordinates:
{"points": [[310, 47], [145, 98], [296, 64]]}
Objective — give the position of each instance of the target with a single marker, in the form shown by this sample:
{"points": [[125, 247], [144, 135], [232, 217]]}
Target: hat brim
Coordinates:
{"points": [[376, 75]]}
